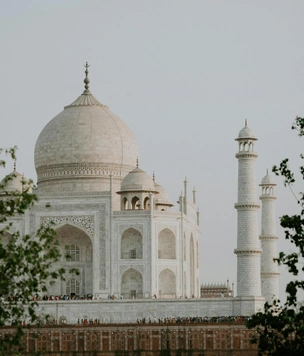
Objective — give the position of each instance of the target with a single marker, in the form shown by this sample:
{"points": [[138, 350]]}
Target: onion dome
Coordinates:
{"points": [[162, 197], [137, 181], [246, 133], [267, 180], [15, 182], [83, 145]]}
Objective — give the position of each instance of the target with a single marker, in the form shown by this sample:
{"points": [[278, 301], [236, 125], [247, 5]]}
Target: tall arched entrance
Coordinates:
{"points": [[76, 253]]}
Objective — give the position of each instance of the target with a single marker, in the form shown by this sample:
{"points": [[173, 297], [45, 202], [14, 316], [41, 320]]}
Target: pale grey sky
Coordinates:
{"points": [[182, 74]]}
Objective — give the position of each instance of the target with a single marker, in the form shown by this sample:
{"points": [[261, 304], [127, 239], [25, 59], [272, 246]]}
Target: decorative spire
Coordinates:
{"points": [[267, 171], [86, 79], [245, 122], [194, 195], [153, 177], [14, 165], [137, 162]]}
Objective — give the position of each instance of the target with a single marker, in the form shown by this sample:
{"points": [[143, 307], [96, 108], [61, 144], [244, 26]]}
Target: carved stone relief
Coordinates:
{"points": [[85, 222]]}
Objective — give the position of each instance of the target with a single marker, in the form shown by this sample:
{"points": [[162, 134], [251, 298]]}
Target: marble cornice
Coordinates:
{"points": [[246, 206], [267, 197], [270, 274], [248, 252], [241, 155], [268, 237]]}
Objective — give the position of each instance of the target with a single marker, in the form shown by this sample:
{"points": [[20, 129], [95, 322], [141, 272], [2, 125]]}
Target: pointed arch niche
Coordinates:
{"points": [[192, 264], [166, 245], [131, 284], [167, 284], [76, 252], [131, 246]]}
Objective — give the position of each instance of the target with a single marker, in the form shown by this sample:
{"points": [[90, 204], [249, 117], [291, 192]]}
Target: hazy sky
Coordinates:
{"points": [[182, 74]]}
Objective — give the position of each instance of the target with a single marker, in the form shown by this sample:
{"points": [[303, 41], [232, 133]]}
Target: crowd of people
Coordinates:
{"points": [[195, 319], [65, 297], [176, 320]]}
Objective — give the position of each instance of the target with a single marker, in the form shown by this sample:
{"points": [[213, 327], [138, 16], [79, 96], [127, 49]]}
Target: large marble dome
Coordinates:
{"points": [[83, 145]]}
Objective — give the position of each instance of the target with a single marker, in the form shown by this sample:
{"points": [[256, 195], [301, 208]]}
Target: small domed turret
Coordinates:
{"points": [[137, 180], [267, 180], [135, 190], [162, 201], [267, 185], [15, 182], [246, 132]]}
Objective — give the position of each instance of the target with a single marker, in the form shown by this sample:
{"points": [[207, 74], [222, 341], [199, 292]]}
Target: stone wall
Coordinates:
{"points": [[212, 339], [128, 311]]}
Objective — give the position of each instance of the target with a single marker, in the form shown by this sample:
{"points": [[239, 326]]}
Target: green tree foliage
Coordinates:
{"points": [[281, 328], [25, 262]]}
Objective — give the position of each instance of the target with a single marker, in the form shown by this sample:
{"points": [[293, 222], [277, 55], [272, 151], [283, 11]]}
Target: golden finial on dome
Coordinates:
{"points": [[137, 162], [86, 79], [153, 177], [14, 165], [245, 122]]}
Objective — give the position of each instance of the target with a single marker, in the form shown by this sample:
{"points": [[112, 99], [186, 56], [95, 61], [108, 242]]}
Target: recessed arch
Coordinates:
{"points": [[76, 250], [131, 284], [167, 284], [131, 246], [166, 244], [71, 223]]}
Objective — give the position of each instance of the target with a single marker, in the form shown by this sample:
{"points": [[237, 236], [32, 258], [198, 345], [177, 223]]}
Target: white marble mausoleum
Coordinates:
{"points": [[117, 226]]}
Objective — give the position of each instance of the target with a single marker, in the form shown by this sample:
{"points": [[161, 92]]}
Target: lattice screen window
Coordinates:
{"points": [[72, 253], [133, 254], [72, 286]]}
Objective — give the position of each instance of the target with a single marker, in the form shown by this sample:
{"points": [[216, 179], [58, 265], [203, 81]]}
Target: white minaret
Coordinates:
{"points": [[268, 237], [248, 245]]}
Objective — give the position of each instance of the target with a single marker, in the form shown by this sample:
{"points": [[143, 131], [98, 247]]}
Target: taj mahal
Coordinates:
{"points": [[117, 226]]}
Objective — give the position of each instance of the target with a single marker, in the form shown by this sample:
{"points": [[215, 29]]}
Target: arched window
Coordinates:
{"points": [[72, 286], [72, 253], [167, 284], [166, 245], [131, 244], [146, 203], [124, 204], [135, 203], [131, 284]]}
